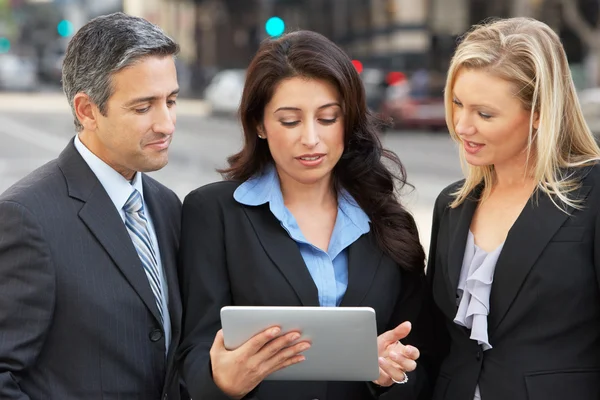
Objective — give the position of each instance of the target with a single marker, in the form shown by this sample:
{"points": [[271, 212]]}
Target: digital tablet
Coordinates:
{"points": [[344, 339]]}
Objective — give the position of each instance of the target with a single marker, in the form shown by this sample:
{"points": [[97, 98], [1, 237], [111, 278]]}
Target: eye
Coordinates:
{"points": [[485, 116], [458, 103], [289, 124], [142, 110], [326, 121], [171, 103]]}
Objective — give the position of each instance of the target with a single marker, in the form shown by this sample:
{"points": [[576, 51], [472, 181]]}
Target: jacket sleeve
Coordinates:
{"points": [[440, 333], [27, 289], [414, 305], [205, 289], [428, 333], [597, 248]]}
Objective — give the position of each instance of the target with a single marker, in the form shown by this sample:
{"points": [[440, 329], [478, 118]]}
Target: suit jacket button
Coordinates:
{"points": [[478, 355], [156, 335]]}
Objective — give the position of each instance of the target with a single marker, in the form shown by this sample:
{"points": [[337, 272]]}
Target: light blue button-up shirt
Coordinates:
{"points": [[329, 269], [119, 189]]}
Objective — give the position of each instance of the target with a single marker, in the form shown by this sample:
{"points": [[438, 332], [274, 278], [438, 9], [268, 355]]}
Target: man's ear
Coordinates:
{"points": [[86, 111]]}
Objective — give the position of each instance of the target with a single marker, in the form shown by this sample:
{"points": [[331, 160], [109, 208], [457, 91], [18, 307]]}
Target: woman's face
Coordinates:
{"points": [[304, 127], [489, 119]]}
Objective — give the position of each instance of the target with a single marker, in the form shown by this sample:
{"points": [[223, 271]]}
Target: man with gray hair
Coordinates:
{"points": [[89, 299]]}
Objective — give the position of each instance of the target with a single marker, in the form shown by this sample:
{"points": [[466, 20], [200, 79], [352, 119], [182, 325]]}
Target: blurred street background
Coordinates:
{"points": [[402, 49]]}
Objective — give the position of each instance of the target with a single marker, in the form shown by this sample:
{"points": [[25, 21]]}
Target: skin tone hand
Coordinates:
{"points": [[237, 372], [395, 359]]}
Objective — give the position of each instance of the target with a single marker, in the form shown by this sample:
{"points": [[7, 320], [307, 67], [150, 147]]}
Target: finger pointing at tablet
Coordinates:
{"points": [[395, 359], [237, 372]]}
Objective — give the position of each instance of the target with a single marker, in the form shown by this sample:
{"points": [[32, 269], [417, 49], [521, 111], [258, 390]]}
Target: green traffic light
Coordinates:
{"points": [[65, 28], [4, 45], [275, 26]]}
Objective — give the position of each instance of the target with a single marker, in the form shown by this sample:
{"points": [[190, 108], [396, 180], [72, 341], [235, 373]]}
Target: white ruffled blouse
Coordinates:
{"points": [[474, 287]]}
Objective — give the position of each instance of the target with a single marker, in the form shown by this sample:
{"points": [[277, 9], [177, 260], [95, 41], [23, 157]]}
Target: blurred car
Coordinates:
{"points": [[374, 83], [409, 110], [18, 73], [224, 92]]}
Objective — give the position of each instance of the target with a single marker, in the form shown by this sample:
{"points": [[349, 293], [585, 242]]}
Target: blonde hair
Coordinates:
{"points": [[528, 54]]}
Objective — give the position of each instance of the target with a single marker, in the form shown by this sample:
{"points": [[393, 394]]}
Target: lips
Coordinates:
{"points": [[311, 160], [160, 144], [310, 157], [472, 147]]}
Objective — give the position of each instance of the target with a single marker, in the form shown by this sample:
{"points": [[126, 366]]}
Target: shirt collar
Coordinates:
{"points": [[117, 187], [259, 189], [265, 188], [348, 205]]}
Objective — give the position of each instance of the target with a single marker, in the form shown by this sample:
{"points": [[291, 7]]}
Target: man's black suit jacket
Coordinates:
{"points": [[78, 319]]}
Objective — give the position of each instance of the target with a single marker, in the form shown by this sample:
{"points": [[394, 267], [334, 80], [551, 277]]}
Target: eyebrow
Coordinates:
{"points": [[148, 99], [455, 97], [297, 109]]}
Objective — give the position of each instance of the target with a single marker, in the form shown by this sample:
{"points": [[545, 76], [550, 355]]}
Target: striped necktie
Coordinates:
{"points": [[137, 226]]}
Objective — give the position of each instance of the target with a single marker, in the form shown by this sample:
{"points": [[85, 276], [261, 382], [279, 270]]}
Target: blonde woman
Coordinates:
{"points": [[515, 252]]}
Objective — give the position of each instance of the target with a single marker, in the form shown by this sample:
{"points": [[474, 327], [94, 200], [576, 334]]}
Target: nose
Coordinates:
{"points": [[310, 135], [463, 125], [165, 120]]}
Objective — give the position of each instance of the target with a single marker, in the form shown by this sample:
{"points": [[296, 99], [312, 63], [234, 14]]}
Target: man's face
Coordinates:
{"points": [[136, 129]]}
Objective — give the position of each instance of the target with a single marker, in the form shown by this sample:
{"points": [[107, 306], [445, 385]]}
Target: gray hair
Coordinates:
{"points": [[104, 46]]}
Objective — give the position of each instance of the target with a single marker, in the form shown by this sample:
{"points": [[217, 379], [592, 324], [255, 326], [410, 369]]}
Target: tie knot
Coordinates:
{"points": [[134, 203]]}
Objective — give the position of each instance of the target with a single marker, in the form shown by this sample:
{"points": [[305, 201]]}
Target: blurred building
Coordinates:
{"points": [[38, 31], [225, 34], [391, 35], [403, 35]]}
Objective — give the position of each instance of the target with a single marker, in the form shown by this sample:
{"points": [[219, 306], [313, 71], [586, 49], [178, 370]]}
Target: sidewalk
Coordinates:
{"points": [[56, 102]]}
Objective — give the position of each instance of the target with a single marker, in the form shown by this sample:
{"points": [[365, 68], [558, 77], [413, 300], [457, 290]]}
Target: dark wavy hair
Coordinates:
{"points": [[361, 169]]}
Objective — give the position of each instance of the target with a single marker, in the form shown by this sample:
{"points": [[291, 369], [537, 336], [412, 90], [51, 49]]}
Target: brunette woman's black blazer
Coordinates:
{"points": [[544, 321], [233, 254]]}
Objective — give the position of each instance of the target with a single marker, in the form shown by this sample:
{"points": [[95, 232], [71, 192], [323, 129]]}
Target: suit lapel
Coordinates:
{"points": [[165, 232], [98, 213], [526, 240], [364, 259], [100, 216], [284, 253], [460, 218]]}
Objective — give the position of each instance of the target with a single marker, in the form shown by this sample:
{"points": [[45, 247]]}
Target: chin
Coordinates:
{"points": [[311, 177], [476, 161], [154, 165]]}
